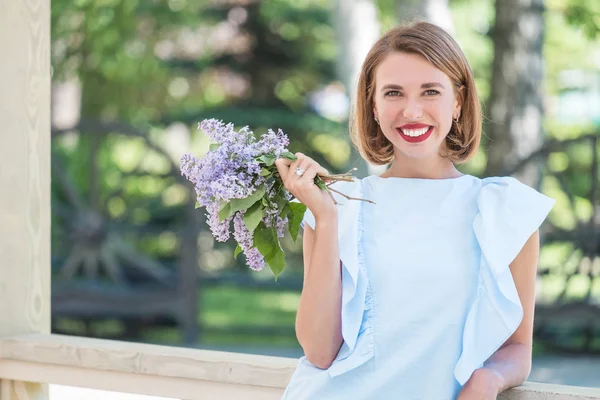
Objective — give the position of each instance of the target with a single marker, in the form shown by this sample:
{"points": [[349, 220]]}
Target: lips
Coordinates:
{"points": [[414, 126], [415, 139]]}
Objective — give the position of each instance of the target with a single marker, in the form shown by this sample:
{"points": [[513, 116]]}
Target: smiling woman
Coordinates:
{"points": [[427, 292], [416, 87], [412, 112]]}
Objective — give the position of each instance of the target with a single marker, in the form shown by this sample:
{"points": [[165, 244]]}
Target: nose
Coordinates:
{"points": [[413, 110]]}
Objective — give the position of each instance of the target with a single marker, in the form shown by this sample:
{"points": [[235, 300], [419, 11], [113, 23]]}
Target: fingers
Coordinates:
{"points": [[287, 170], [290, 168], [303, 162], [322, 170], [310, 173], [311, 170], [283, 167]]}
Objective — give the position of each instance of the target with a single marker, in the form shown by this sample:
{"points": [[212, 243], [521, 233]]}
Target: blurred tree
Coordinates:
{"points": [[585, 14], [147, 70], [434, 11], [357, 27], [515, 103]]}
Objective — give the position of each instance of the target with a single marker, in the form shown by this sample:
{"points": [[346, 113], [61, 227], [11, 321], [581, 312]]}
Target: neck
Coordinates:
{"points": [[440, 168]]}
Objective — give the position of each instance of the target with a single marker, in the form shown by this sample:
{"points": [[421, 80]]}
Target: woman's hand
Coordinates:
{"points": [[483, 385], [303, 187]]}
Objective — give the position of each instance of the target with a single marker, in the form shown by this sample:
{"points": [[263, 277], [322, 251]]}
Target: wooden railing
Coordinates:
{"points": [[29, 361], [142, 368], [176, 372]]}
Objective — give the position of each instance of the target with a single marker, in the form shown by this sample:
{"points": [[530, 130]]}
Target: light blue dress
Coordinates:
{"points": [[427, 293]]}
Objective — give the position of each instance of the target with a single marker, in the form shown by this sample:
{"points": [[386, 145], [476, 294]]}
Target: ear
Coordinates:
{"points": [[460, 91], [457, 110], [375, 113]]}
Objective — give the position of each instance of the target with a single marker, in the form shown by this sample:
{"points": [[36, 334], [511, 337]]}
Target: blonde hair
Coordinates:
{"points": [[437, 47]]}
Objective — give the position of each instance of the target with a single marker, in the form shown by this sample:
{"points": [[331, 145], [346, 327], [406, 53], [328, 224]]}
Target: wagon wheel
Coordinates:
{"points": [[572, 233], [111, 230]]}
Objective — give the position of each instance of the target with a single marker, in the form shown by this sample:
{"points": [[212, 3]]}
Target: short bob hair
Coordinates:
{"points": [[437, 47]]}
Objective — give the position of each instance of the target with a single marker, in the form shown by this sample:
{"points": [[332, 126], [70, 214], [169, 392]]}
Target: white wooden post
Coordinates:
{"points": [[24, 177]]}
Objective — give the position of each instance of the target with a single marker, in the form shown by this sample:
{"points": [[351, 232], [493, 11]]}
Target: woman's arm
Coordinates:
{"points": [[318, 321]]}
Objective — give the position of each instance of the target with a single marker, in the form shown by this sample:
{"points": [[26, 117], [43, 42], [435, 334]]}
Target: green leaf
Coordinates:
{"points": [[225, 211], [267, 242], [297, 215], [277, 260], [284, 211], [237, 251], [281, 201], [254, 215], [197, 205], [289, 156], [265, 172], [270, 160], [244, 204], [319, 182], [214, 146]]}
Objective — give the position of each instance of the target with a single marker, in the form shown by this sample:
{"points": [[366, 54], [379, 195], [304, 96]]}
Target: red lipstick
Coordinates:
{"points": [[414, 127]]}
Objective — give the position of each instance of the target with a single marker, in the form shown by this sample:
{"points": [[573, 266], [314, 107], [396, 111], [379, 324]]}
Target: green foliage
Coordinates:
{"points": [[266, 241], [266, 238], [254, 215], [585, 14], [297, 214], [150, 65]]}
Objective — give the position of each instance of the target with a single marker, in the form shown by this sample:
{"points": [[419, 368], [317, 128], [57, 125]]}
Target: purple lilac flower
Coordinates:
{"points": [[232, 172], [244, 238], [220, 230], [272, 142]]}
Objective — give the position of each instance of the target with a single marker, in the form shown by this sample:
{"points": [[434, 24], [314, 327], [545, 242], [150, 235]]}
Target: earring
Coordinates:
{"points": [[456, 120], [376, 120]]}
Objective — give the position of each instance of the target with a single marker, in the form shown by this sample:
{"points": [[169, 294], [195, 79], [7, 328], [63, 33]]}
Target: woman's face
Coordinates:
{"points": [[414, 103]]}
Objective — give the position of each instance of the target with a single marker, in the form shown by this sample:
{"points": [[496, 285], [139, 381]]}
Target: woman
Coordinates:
{"points": [[429, 293]]}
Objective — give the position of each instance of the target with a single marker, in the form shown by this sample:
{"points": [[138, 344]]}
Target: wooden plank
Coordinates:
{"points": [[146, 359], [22, 390], [24, 176], [25, 166], [165, 386], [180, 372], [545, 391]]}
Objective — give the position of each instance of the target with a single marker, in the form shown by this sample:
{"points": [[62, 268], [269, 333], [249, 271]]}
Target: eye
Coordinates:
{"points": [[432, 92], [391, 92]]}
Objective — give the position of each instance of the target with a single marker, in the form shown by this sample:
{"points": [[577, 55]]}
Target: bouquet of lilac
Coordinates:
{"points": [[238, 180]]}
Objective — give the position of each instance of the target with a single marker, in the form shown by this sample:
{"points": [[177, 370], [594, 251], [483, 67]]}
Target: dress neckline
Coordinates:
{"points": [[402, 179]]}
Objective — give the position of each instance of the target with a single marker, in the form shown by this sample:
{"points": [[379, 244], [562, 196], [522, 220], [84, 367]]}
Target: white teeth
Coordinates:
{"points": [[415, 132]]}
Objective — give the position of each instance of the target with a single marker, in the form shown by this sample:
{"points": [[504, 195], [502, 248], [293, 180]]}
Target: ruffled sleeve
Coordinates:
{"points": [[509, 212], [357, 326], [309, 218]]}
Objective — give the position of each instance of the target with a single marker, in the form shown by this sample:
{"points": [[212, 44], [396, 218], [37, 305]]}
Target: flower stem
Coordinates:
{"points": [[350, 198]]}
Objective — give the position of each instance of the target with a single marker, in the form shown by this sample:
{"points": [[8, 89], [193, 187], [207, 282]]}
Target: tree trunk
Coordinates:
{"points": [[190, 287], [515, 106], [357, 27], [435, 11]]}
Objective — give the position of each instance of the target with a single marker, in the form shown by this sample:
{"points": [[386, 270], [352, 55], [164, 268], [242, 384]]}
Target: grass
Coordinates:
{"points": [[230, 306], [220, 307], [234, 306]]}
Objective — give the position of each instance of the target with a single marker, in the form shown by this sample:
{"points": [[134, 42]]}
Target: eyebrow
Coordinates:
{"points": [[427, 85]]}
